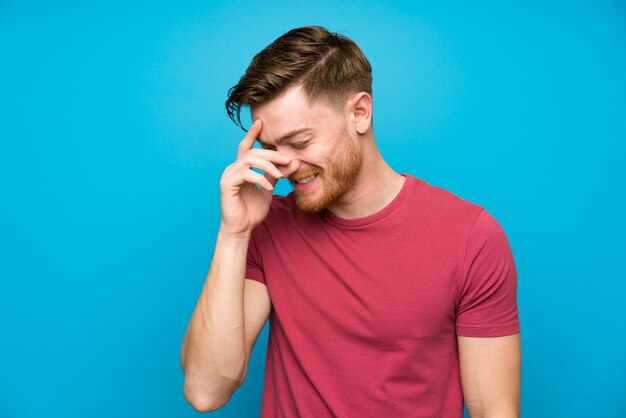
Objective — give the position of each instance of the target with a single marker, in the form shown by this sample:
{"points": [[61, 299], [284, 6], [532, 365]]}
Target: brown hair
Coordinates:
{"points": [[328, 65]]}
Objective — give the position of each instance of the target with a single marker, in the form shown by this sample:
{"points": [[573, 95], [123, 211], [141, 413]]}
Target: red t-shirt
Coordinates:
{"points": [[365, 312]]}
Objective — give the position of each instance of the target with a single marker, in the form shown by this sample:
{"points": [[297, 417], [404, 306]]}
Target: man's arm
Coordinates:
{"points": [[491, 375], [231, 311], [213, 353]]}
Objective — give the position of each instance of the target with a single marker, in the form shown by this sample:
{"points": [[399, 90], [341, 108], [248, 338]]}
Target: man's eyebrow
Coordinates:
{"points": [[288, 136]]}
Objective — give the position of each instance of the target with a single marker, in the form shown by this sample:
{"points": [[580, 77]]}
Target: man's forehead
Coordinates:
{"points": [[291, 103]]}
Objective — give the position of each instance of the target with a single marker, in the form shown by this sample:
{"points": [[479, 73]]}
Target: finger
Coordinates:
{"points": [[248, 140], [273, 180], [255, 178], [266, 166], [251, 161], [271, 155]]}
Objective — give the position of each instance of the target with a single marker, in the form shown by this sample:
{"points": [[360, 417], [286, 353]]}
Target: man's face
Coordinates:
{"points": [[330, 158]]}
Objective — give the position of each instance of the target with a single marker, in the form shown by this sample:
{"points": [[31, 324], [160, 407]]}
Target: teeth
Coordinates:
{"points": [[306, 179]]}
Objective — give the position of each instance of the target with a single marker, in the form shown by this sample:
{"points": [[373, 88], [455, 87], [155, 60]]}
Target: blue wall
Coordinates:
{"points": [[113, 138]]}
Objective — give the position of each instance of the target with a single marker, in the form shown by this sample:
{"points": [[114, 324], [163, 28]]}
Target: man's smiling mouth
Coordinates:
{"points": [[306, 179]]}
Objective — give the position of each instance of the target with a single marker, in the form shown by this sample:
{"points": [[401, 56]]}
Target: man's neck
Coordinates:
{"points": [[375, 187]]}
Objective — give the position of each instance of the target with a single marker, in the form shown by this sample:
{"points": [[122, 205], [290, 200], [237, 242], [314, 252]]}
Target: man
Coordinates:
{"points": [[386, 296]]}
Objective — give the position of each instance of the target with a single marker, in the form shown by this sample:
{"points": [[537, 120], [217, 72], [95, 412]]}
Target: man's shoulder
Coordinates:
{"points": [[443, 201]]}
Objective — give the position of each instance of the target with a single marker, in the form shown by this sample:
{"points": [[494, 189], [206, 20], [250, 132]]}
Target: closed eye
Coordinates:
{"points": [[300, 145]]}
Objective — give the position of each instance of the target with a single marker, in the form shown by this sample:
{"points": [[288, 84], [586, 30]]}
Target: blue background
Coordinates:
{"points": [[114, 136]]}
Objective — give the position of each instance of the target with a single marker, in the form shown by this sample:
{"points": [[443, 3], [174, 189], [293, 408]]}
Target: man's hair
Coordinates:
{"points": [[326, 64]]}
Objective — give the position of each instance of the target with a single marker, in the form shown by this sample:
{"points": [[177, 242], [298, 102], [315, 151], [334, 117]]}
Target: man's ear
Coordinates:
{"points": [[361, 109]]}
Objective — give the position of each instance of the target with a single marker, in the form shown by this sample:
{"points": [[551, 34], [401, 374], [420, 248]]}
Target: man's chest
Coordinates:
{"points": [[377, 288]]}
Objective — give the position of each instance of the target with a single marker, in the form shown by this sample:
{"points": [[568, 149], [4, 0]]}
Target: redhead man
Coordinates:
{"points": [[386, 296]]}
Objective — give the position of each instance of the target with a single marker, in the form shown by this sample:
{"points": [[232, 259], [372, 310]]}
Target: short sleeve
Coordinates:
{"points": [[488, 296], [254, 267]]}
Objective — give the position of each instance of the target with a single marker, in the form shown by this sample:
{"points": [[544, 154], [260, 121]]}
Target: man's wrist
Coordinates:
{"points": [[226, 235]]}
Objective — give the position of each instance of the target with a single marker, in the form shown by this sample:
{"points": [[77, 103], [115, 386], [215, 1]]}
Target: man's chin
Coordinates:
{"points": [[307, 202], [308, 205]]}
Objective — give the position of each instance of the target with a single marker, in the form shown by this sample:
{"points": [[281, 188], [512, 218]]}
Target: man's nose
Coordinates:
{"points": [[291, 168]]}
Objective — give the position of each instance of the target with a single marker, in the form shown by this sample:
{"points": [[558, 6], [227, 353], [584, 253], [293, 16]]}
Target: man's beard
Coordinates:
{"points": [[336, 180]]}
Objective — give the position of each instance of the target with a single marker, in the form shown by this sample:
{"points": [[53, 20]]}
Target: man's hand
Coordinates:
{"points": [[243, 205]]}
